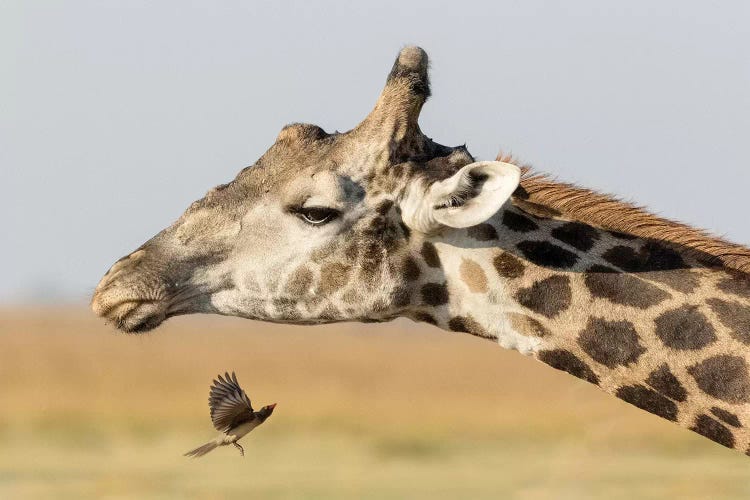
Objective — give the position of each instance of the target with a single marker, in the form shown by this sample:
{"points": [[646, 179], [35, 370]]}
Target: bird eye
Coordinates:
{"points": [[317, 215]]}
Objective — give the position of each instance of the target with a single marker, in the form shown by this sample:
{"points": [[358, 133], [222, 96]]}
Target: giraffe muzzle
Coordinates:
{"points": [[131, 298], [132, 315], [138, 316]]}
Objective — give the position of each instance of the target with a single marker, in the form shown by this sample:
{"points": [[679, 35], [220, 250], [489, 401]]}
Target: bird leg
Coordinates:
{"points": [[242, 450]]}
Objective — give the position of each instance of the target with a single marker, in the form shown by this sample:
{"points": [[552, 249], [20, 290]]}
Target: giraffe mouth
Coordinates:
{"points": [[143, 317], [133, 316]]}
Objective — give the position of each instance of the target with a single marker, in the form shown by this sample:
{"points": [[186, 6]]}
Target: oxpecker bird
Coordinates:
{"points": [[232, 414]]}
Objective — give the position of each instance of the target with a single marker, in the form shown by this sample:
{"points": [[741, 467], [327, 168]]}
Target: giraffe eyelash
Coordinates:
{"points": [[315, 216]]}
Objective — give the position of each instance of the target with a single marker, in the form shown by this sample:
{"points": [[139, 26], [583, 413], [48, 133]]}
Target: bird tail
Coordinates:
{"points": [[202, 450]]}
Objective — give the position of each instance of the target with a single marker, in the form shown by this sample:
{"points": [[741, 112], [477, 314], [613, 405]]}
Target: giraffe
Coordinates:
{"points": [[382, 222]]}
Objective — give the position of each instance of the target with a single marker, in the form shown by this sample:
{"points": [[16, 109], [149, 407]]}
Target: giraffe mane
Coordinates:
{"points": [[611, 213]]}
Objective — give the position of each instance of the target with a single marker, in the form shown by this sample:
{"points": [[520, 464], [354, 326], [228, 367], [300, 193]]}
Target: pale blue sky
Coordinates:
{"points": [[114, 116]]}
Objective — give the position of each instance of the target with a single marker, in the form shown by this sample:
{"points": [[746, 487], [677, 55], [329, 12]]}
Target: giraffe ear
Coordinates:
{"points": [[467, 198]]}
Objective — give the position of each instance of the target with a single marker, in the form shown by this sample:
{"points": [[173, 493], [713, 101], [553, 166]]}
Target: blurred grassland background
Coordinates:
{"points": [[364, 411]]}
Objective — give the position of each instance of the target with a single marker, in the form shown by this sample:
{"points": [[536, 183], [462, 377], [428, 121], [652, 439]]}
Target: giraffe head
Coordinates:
{"points": [[320, 229]]}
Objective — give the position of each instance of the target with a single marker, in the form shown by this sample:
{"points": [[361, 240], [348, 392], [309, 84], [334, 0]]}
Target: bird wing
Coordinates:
{"points": [[228, 403]]}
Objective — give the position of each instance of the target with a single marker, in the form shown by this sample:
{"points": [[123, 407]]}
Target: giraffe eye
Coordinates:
{"points": [[317, 215]]}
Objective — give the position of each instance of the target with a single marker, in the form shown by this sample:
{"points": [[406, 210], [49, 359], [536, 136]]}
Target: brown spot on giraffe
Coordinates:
{"points": [[606, 283], [435, 294], [508, 266], [483, 232], [734, 316], [652, 256], [299, 282], [577, 235], [726, 416], [468, 324], [684, 328], [425, 317], [713, 430], [383, 230], [548, 297], [663, 380], [649, 400], [724, 377], [473, 276], [526, 325], [333, 277], [611, 343], [430, 255], [384, 207], [546, 254], [410, 269], [566, 361], [518, 223], [401, 296], [736, 283], [405, 229], [370, 264]]}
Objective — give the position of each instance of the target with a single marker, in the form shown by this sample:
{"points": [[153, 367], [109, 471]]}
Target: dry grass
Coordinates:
{"points": [[365, 411]]}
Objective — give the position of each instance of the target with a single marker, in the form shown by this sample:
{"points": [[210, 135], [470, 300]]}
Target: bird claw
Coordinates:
{"points": [[242, 450]]}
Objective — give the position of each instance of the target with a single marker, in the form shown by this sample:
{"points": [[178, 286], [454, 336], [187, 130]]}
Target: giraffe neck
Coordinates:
{"points": [[638, 318]]}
